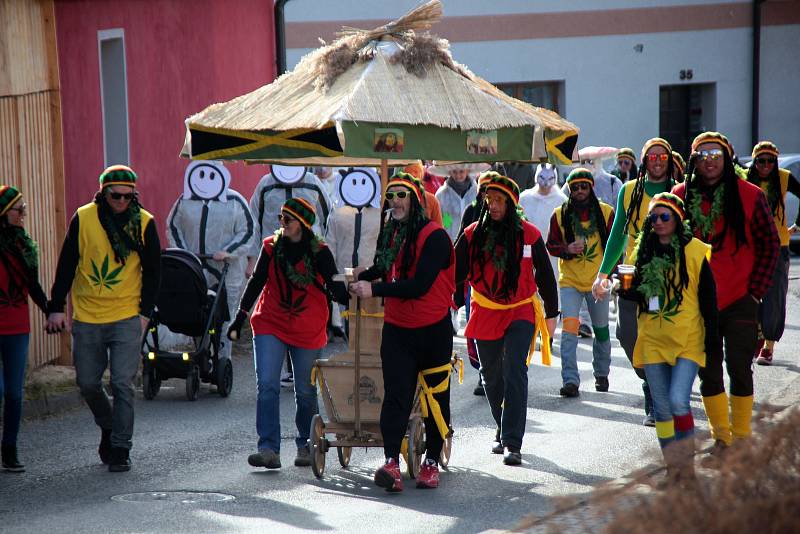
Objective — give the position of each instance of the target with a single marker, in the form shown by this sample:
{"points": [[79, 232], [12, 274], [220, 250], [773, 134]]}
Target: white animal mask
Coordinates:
{"points": [[546, 175], [206, 180]]}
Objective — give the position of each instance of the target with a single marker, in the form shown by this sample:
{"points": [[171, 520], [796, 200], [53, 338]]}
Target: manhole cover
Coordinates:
{"points": [[182, 497]]}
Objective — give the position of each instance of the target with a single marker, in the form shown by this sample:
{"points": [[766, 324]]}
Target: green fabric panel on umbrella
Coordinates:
{"points": [[430, 142]]}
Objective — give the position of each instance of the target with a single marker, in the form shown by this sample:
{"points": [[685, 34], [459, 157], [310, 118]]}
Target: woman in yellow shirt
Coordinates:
{"points": [[677, 323]]}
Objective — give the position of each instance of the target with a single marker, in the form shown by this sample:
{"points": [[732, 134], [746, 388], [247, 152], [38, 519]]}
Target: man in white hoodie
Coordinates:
{"points": [[540, 202]]}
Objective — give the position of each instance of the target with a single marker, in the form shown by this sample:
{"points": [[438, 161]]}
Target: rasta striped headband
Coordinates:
{"points": [[668, 200], [713, 137], [118, 175], [302, 210], [580, 175], [497, 182], [407, 180]]}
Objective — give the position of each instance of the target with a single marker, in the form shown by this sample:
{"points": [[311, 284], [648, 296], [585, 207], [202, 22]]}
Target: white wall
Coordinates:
{"points": [[612, 91]]}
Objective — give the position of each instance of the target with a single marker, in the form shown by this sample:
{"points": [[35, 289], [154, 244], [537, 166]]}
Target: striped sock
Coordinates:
{"points": [[684, 426], [665, 430]]}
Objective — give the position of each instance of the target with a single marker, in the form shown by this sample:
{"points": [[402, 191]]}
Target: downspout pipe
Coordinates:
{"points": [[280, 37], [754, 138]]}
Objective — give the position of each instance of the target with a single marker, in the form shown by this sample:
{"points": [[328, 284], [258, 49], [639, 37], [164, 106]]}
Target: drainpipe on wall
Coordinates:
{"points": [[756, 71], [280, 37]]}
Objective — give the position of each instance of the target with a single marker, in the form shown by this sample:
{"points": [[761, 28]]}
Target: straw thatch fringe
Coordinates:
{"points": [[420, 18], [420, 51]]}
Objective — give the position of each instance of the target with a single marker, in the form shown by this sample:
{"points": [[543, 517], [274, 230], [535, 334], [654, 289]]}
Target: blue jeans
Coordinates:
{"points": [[95, 347], [671, 388], [505, 380], [269, 353], [13, 357], [571, 300]]}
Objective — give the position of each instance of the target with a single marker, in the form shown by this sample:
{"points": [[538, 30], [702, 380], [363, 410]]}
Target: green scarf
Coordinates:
{"points": [[705, 224], [394, 236], [307, 276], [14, 240], [125, 238]]}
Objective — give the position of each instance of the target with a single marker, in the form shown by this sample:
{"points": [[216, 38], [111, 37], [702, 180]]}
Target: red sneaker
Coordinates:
{"points": [[764, 357], [388, 476], [428, 476]]}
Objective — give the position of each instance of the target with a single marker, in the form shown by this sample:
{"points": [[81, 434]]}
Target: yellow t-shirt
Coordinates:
{"points": [[780, 216], [104, 291], [675, 331], [579, 272]]}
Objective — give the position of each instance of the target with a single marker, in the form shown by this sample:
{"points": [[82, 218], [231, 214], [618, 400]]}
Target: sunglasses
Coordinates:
{"points": [[285, 219], [391, 195], [658, 157], [654, 217], [712, 155], [118, 196], [579, 187], [765, 161], [624, 162], [22, 210]]}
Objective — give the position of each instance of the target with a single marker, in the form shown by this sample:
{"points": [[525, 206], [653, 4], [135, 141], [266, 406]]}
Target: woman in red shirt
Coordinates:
{"points": [[292, 280], [19, 278]]}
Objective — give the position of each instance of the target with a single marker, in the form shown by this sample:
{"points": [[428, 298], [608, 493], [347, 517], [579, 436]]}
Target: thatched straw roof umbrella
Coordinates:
{"points": [[393, 93]]}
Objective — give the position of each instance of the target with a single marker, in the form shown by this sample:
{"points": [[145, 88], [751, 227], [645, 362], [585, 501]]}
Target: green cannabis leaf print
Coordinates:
{"points": [[666, 313], [102, 277], [588, 255]]}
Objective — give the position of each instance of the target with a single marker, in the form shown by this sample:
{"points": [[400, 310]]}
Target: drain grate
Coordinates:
{"points": [[181, 497]]}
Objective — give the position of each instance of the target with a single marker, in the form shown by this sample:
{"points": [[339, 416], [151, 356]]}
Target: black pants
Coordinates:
{"points": [[738, 331], [404, 353], [772, 313], [505, 379]]}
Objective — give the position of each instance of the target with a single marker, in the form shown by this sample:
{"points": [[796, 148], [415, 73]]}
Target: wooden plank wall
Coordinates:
{"points": [[31, 151]]}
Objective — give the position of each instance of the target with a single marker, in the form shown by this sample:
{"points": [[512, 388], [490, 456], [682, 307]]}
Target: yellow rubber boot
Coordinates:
{"points": [[716, 408], [741, 415]]}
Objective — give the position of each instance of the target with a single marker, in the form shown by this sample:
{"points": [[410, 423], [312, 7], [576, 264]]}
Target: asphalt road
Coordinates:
{"points": [[571, 446]]}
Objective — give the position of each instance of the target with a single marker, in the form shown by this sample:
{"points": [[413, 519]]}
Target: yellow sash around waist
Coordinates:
{"points": [[540, 326]]}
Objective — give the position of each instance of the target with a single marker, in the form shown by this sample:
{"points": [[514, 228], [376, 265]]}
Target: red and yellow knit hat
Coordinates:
{"points": [[302, 210], [713, 137], [483, 180], [581, 175], [407, 180], [626, 153], [497, 182], [118, 175], [765, 147], [678, 161], [9, 195], [655, 141], [668, 200]]}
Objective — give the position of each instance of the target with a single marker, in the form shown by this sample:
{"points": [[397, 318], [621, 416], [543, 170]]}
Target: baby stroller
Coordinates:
{"points": [[185, 305]]}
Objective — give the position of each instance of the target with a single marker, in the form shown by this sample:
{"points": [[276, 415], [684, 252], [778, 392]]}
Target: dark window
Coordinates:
{"points": [[546, 95]]}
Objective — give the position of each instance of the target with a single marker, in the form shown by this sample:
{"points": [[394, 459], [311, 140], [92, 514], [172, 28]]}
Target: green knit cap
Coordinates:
{"points": [[302, 210], [627, 153], [580, 174], [118, 175], [8, 197]]}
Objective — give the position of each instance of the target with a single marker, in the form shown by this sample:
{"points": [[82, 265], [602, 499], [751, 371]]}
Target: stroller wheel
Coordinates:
{"points": [[224, 377], [150, 384], [193, 383]]}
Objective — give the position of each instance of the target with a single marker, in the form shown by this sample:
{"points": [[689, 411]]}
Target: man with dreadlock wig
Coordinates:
{"points": [[414, 271], [655, 176], [19, 278], [775, 183], [110, 262], [578, 233], [292, 279], [675, 293], [734, 217], [505, 260], [679, 167]]}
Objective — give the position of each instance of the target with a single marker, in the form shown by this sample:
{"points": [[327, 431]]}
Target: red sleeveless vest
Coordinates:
{"points": [[433, 305]]}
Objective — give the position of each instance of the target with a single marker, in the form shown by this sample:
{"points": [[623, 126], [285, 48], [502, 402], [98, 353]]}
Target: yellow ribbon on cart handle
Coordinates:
{"points": [[426, 400], [378, 315], [539, 327]]}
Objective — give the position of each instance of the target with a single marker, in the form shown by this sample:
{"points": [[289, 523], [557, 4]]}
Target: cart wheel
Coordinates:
{"points": [[344, 455], [193, 383], [316, 445], [416, 445], [224, 377], [447, 449], [150, 384]]}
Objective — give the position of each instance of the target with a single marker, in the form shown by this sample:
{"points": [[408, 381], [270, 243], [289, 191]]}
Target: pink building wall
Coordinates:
{"points": [[181, 56]]}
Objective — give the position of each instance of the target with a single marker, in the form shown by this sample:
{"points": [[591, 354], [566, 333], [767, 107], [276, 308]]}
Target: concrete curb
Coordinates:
{"points": [[49, 405]]}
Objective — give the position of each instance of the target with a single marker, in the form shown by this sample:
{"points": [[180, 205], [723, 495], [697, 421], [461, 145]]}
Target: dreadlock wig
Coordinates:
{"points": [[633, 211], [773, 189], [395, 236], [569, 216], [125, 233], [725, 200], [656, 263], [501, 241]]}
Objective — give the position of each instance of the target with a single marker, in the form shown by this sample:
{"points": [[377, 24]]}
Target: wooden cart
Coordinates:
{"points": [[351, 387]]}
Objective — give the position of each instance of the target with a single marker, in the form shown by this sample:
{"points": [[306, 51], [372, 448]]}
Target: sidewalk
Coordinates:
{"points": [[758, 488], [50, 390]]}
